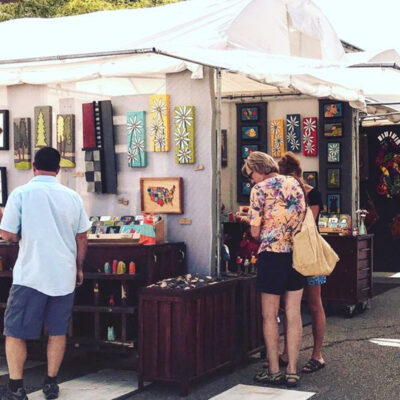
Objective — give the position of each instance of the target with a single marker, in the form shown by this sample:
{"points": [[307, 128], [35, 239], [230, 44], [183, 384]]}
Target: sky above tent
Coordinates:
{"points": [[368, 24]]}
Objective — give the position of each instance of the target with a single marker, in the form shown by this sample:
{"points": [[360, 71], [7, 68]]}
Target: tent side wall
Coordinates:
{"points": [[198, 185]]}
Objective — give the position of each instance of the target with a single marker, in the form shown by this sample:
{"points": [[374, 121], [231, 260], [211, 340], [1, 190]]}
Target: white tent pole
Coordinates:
{"points": [[356, 153], [218, 169]]}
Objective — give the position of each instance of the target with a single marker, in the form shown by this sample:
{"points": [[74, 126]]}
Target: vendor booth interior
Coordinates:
{"points": [[153, 125]]}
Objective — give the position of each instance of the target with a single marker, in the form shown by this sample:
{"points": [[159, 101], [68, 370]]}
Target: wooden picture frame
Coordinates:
{"points": [[333, 130], [334, 152], [333, 203], [311, 178], [4, 129], [250, 132], [333, 110], [3, 186], [333, 178], [161, 195], [249, 113]]}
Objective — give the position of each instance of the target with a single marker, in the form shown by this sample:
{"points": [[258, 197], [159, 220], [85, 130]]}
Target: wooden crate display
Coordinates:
{"points": [[93, 313], [185, 334]]}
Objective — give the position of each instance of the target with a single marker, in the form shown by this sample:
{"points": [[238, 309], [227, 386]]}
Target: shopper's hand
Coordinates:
{"points": [[79, 278]]}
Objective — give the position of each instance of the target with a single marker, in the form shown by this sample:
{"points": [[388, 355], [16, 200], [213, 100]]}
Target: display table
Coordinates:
{"points": [[186, 334], [108, 300], [351, 281]]}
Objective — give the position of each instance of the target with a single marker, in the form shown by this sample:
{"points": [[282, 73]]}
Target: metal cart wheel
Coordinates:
{"points": [[363, 306], [350, 310]]}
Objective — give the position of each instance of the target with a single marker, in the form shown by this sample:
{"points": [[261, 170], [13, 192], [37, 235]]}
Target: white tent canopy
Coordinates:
{"points": [[279, 43]]}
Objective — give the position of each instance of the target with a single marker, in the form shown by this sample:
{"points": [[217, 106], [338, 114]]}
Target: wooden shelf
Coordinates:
{"points": [[116, 277], [6, 274], [105, 309]]}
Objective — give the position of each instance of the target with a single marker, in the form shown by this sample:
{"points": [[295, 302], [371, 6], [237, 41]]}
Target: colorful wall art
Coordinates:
{"points": [[333, 130], [136, 131], [249, 114], [333, 203], [310, 145], [249, 132], [247, 149], [293, 133], [43, 127], [184, 134], [65, 124], [333, 178], [22, 143], [311, 177], [4, 129], [162, 195], [277, 138], [159, 122], [332, 110], [333, 152]]}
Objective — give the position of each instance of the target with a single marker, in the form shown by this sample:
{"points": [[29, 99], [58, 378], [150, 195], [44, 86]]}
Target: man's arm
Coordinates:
{"points": [[9, 237], [81, 244]]}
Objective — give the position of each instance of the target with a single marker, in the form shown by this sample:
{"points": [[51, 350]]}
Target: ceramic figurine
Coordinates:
{"points": [[253, 262], [362, 230], [111, 301], [246, 265], [96, 293], [114, 266], [107, 268], [239, 261], [121, 268], [110, 333], [123, 294], [132, 268]]}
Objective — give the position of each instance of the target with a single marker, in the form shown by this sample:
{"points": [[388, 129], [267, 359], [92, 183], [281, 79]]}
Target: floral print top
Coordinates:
{"points": [[277, 205]]}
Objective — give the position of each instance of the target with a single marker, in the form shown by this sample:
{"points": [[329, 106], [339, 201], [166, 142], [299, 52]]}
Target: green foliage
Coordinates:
{"points": [[59, 8]]}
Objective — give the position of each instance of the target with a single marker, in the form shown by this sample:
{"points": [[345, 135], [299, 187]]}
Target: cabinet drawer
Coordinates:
{"points": [[363, 283], [364, 293], [363, 264], [362, 244], [364, 273]]}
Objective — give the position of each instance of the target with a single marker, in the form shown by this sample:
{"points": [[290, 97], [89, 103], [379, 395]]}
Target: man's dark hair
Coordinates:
{"points": [[47, 159]]}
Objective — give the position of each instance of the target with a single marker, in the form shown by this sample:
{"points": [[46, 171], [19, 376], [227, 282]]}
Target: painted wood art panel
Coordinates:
{"points": [[43, 127], [184, 134], [310, 145], [66, 139], [293, 133], [277, 138], [22, 143], [4, 129], [159, 123], [3, 186], [136, 131]]}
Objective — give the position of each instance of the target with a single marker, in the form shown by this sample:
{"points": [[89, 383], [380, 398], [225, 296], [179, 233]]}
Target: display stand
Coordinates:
{"points": [[94, 310]]}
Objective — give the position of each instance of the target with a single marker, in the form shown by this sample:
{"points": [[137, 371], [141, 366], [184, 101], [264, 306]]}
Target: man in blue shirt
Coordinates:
{"points": [[50, 224]]}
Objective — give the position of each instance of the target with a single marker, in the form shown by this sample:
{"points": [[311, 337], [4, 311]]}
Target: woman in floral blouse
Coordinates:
{"points": [[277, 208]]}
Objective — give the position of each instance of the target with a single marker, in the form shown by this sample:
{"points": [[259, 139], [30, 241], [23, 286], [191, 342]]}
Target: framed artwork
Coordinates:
{"points": [[333, 178], [249, 132], [66, 139], [293, 133], [333, 130], [332, 110], [333, 151], [249, 114], [43, 127], [224, 148], [311, 177], [4, 129], [161, 195], [246, 188], [159, 123], [247, 149], [184, 134], [22, 143], [277, 138], [3, 186], [309, 137], [136, 131], [333, 203]]}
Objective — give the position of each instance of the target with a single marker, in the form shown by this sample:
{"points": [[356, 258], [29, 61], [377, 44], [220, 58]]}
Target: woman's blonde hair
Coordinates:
{"points": [[289, 164], [259, 162]]}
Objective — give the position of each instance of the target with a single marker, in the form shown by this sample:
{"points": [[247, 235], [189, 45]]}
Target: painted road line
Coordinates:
{"points": [[28, 365], [240, 392], [107, 384], [386, 342]]}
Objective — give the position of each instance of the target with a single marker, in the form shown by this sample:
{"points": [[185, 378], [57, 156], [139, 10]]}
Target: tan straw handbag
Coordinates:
{"points": [[312, 255]]}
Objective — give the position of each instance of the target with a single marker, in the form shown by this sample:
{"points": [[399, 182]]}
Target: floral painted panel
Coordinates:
{"points": [[293, 133], [159, 122], [66, 140], [43, 127], [310, 145], [333, 152], [184, 134], [22, 143], [277, 137], [136, 131]]}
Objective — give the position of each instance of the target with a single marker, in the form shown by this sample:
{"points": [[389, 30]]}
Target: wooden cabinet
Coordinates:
{"points": [[186, 334], [108, 300], [351, 281]]}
